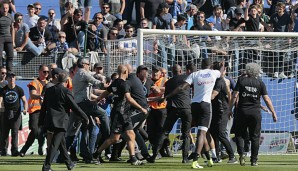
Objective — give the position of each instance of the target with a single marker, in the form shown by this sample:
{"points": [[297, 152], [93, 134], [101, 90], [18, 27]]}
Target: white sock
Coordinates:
{"points": [[213, 152]]}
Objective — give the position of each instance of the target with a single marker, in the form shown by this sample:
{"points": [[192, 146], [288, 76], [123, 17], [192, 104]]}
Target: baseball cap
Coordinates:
{"points": [[141, 67], [30, 5], [56, 71], [210, 20], [98, 65], [163, 5], [155, 68], [10, 74], [239, 11], [85, 61]]}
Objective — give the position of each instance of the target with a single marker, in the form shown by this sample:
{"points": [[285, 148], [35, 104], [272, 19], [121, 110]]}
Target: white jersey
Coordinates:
{"points": [[203, 82]]}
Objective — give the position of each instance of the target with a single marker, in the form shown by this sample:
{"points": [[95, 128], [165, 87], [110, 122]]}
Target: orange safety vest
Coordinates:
{"points": [[160, 83], [35, 104]]}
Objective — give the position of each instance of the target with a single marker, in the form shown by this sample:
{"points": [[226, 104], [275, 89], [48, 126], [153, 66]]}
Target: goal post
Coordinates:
{"points": [[275, 52]]}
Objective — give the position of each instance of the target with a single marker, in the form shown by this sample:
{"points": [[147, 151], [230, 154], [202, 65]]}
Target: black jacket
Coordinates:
{"points": [[55, 109]]}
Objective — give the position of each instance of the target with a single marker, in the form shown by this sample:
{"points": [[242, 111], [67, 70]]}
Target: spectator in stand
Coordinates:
{"points": [[118, 23], [273, 5], [252, 20], [128, 45], [61, 44], [117, 7], [12, 96], [164, 20], [264, 19], [12, 7], [151, 7], [280, 22], [113, 34], [218, 17], [108, 19], [7, 35], [191, 12], [22, 40], [38, 8], [144, 23], [75, 28], [87, 8], [69, 9], [176, 7], [53, 24], [231, 12], [208, 6], [41, 36], [62, 4], [227, 4], [99, 34], [237, 23], [31, 18], [295, 17]]}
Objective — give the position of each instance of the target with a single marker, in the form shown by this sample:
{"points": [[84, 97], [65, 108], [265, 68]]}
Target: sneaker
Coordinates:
{"points": [[224, 156], [242, 160], [282, 75], [291, 75], [275, 75], [216, 160], [137, 163], [232, 160], [254, 164], [195, 165], [210, 163], [151, 159]]}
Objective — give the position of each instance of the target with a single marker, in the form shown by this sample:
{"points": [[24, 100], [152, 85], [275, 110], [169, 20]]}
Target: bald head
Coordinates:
{"points": [[129, 68], [177, 69]]}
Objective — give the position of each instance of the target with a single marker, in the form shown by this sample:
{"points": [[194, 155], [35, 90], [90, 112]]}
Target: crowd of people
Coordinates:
{"points": [[110, 111]]}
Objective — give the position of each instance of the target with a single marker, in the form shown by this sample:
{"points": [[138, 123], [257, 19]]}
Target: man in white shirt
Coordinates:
{"points": [[203, 82]]}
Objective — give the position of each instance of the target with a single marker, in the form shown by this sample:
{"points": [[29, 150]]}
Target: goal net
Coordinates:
{"points": [[276, 53]]}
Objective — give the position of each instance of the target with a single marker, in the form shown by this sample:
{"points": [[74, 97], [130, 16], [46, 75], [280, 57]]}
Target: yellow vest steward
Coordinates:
{"points": [[35, 104]]}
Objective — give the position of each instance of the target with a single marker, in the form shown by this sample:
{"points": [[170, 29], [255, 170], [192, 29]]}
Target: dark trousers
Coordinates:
{"points": [[172, 117], [218, 132], [7, 46], [13, 125], [58, 141], [35, 133], [129, 9], [252, 120], [155, 122]]}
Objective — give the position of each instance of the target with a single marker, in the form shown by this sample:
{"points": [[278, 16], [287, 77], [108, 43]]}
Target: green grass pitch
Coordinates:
{"points": [[266, 163]]}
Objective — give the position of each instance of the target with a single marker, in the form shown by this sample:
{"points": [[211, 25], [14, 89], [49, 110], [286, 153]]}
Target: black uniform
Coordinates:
{"points": [[249, 113], [120, 119], [220, 117], [178, 106]]}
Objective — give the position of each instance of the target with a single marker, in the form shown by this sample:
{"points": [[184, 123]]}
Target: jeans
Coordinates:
{"points": [[7, 46], [81, 41], [33, 48], [93, 131], [92, 109]]}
